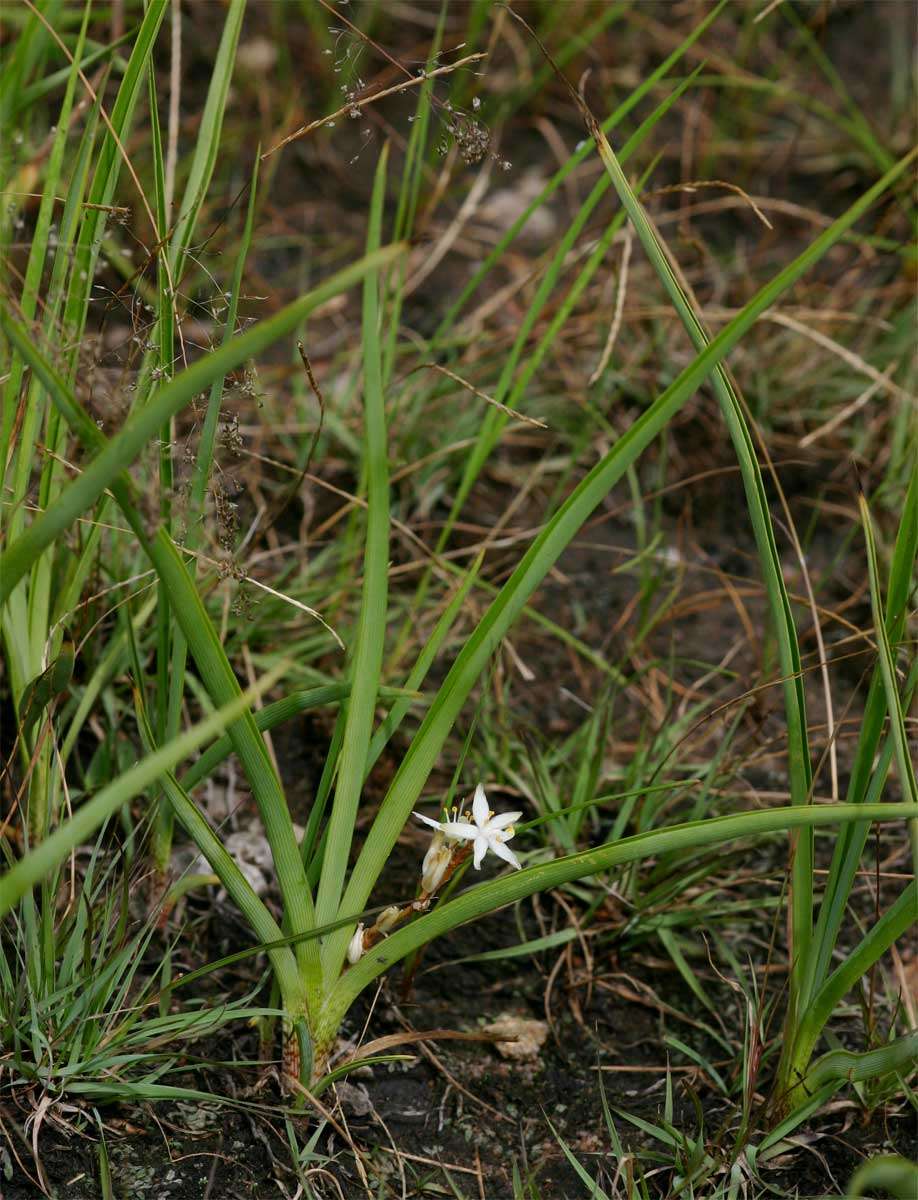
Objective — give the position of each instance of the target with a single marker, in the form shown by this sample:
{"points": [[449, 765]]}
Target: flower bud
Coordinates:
{"points": [[436, 863], [355, 946], [388, 918]]}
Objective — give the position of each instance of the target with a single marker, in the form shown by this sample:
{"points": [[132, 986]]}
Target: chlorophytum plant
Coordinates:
{"points": [[330, 944]]}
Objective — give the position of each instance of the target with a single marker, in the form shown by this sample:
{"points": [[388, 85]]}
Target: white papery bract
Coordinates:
{"points": [[436, 862], [355, 946], [388, 918]]}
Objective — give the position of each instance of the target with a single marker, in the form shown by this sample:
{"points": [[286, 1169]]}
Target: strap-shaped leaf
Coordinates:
{"points": [[496, 893]]}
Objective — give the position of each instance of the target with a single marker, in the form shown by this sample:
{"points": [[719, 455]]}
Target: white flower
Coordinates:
{"points": [[490, 831], [355, 946]]}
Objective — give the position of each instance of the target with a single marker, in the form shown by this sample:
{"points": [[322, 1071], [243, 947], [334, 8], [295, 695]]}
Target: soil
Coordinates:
{"points": [[465, 1110]]}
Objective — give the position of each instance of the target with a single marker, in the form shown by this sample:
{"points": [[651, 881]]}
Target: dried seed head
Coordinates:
{"points": [[227, 519], [472, 138], [230, 436]]}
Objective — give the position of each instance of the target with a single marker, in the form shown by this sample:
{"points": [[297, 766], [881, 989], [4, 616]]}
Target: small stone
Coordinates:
{"points": [[505, 205], [524, 1037], [354, 1097], [258, 55]]}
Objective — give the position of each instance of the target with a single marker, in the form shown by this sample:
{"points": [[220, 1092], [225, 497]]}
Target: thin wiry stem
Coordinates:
{"points": [[365, 100]]}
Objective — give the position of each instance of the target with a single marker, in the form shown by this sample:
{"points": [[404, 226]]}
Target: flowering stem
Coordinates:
{"points": [[394, 915]]}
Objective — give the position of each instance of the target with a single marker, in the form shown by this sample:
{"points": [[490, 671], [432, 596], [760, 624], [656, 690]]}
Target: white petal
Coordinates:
{"points": [[480, 806], [481, 849], [460, 829], [502, 820], [428, 820], [503, 851]]}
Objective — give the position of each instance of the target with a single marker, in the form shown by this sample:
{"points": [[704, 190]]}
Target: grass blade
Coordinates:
{"points": [[207, 142], [799, 766], [893, 924], [368, 652], [496, 893], [41, 860], [888, 671], [868, 774], [143, 427]]}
